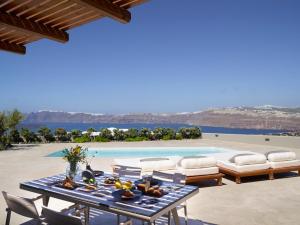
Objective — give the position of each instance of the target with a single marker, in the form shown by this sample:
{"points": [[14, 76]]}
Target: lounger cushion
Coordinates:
{"points": [[197, 162], [244, 168], [158, 165], [281, 156], [198, 172], [277, 165], [249, 159]]}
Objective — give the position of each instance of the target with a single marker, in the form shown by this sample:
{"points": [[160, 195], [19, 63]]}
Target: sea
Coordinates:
{"points": [[205, 129]]}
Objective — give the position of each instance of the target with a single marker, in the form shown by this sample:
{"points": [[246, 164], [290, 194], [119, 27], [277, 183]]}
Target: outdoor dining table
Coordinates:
{"points": [[106, 202]]}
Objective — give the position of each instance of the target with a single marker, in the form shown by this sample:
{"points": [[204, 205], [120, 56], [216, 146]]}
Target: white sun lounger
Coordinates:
{"points": [[283, 161], [244, 164], [196, 169]]}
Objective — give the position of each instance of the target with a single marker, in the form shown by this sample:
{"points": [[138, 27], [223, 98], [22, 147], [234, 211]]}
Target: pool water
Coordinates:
{"points": [[146, 152]]}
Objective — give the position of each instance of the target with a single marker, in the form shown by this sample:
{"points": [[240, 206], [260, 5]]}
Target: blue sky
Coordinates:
{"points": [[172, 57]]}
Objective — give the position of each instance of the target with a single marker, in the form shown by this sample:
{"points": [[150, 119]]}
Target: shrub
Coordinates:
{"points": [[46, 133], [119, 135], [132, 133], [28, 136], [158, 133], [75, 134], [14, 136], [61, 134], [145, 132], [169, 134], [101, 139], [137, 139], [82, 139], [106, 133], [90, 130], [190, 133], [8, 130], [178, 136]]}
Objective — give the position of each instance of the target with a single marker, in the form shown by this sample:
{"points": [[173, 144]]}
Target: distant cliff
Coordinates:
{"points": [[266, 117]]}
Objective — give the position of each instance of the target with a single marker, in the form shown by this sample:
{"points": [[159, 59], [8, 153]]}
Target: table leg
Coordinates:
{"points": [[175, 216], [87, 215], [46, 200]]}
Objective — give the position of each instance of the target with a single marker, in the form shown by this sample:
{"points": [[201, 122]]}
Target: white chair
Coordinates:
{"points": [[178, 179], [24, 207], [52, 217], [126, 172]]}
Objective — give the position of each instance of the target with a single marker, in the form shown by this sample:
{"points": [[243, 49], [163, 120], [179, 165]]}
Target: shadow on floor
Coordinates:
{"points": [[23, 147], [264, 177], [100, 218], [207, 183]]}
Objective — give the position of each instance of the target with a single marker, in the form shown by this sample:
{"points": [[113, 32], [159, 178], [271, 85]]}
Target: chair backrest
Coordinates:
{"points": [[21, 206], [127, 171], [56, 218], [176, 178]]}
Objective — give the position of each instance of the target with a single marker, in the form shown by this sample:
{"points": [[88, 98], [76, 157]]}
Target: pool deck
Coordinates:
{"points": [[256, 201]]}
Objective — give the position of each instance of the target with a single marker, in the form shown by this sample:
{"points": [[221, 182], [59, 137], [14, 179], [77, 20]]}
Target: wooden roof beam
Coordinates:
{"points": [[33, 28], [107, 8], [19, 49]]}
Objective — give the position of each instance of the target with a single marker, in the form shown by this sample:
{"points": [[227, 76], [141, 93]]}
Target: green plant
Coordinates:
{"points": [[61, 134], [14, 136], [90, 130], [191, 133], [76, 154], [8, 127], [132, 133], [28, 136], [170, 134], [119, 135], [82, 139], [136, 139], [46, 134], [178, 136], [75, 134], [101, 139], [106, 133], [145, 132]]}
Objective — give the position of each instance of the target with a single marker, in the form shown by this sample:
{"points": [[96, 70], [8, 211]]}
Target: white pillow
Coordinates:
{"points": [[197, 162], [159, 165], [250, 159], [281, 156]]}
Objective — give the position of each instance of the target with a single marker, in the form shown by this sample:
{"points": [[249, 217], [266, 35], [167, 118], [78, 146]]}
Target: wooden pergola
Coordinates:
{"points": [[26, 21]]}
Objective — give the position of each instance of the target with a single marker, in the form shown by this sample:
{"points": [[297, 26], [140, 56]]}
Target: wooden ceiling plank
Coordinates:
{"points": [[5, 3], [75, 11], [17, 39], [7, 32], [46, 8], [69, 20], [37, 4], [9, 37], [107, 8], [33, 28], [19, 49], [23, 42], [79, 22], [55, 11], [19, 5], [128, 3]]}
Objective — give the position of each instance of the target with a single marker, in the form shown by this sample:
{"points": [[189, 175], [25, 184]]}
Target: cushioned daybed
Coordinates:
{"points": [[196, 168], [245, 165], [283, 161]]}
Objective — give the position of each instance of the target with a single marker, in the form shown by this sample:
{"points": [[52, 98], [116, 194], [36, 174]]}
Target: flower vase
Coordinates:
{"points": [[72, 170]]}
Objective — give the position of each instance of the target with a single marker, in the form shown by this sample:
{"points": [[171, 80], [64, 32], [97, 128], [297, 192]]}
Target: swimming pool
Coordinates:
{"points": [[146, 152]]}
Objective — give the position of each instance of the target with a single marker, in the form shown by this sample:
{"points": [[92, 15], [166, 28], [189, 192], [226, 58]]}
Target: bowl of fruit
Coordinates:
{"points": [[125, 191]]}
